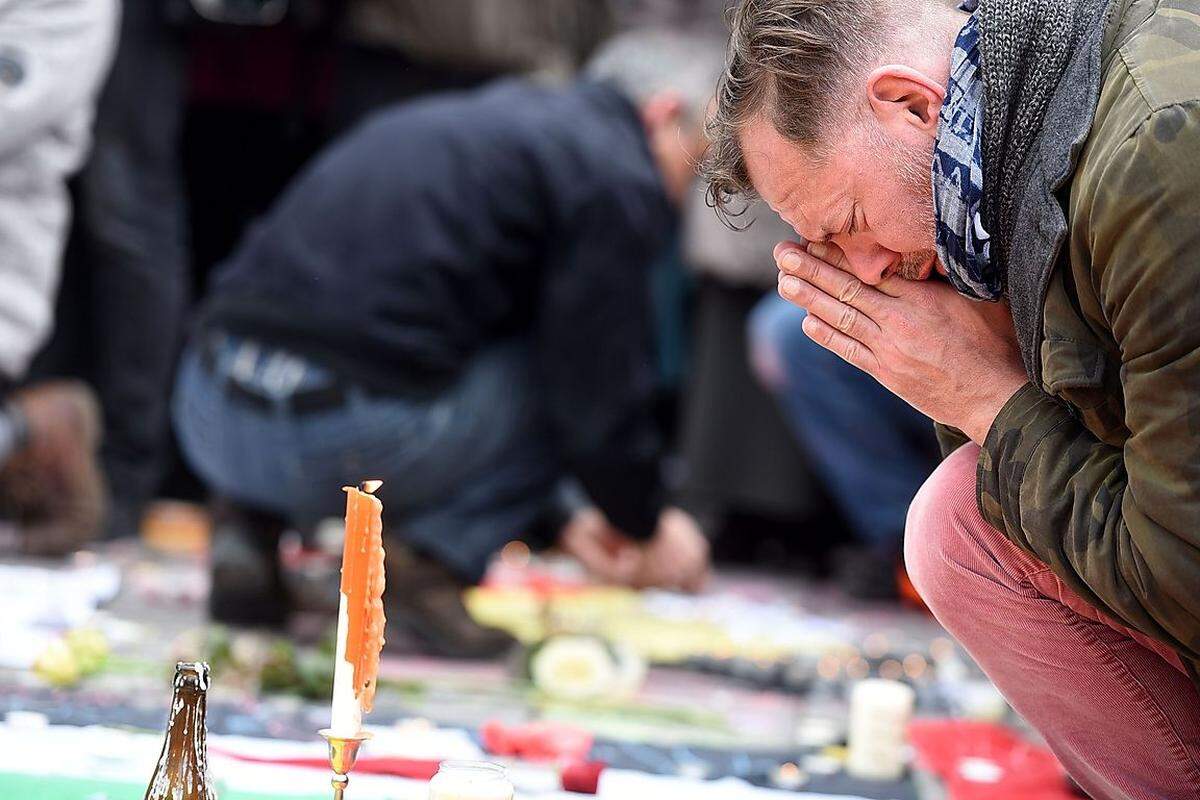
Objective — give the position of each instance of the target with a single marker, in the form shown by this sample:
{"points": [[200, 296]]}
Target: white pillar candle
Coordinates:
{"points": [[879, 714], [346, 720], [360, 612]]}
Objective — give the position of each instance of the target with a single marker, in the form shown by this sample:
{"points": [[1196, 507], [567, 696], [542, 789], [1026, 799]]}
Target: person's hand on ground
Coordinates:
{"points": [[677, 556], [602, 549]]}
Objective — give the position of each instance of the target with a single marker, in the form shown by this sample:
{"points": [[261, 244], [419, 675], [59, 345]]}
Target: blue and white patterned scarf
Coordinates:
{"points": [[962, 241]]}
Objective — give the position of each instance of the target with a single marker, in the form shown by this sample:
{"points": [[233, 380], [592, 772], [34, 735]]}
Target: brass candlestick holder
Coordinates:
{"points": [[343, 752]]}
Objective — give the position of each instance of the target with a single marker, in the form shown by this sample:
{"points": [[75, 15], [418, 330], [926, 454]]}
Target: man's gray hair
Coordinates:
{"points": [[790, 61], [644, 63]]}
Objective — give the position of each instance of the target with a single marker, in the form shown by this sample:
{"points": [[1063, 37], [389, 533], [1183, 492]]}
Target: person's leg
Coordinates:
{"points": [[1115, 706], [465, 471], [131, 207], [869, 448], [51, 487], [237, 452], [497, 441], [239, 449], [463, 474], [858, 434]]}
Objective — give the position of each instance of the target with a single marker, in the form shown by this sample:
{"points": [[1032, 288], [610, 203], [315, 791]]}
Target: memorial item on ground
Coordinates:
{"points": [[360, 630], [879, 714], [182, 771], [470, 780]]}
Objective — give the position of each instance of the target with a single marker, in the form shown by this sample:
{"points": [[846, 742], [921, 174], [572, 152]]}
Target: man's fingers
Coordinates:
{"points": [[698, 581], [843, 316], [619, 567], [780, 248], [851, 350], [626, 564], [829, 253], [832, 280], [655, 573], [895, 286], [612, 564]]}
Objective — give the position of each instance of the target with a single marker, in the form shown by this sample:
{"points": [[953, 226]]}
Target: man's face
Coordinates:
{"points": [[871, 197]]}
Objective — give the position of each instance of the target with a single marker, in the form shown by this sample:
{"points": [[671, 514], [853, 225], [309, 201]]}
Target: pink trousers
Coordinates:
{"points": [[1116, 707]]}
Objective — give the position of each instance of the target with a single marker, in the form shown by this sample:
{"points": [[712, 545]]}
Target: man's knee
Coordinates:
{"points": [[939, 535]]}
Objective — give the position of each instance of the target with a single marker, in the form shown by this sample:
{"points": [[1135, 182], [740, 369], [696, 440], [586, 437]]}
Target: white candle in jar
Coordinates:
{"points": [[470, 780], [879, 714]]}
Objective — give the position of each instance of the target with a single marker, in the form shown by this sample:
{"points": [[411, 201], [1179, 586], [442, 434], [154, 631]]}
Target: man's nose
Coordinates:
{"points": [[868, 262]]}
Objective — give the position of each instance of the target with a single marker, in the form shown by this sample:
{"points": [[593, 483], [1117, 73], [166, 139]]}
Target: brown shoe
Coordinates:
{"points": [[52, 488], [247, 583], [425, 598]]}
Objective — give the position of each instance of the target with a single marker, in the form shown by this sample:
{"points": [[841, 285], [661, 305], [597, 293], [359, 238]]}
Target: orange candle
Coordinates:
{"points": [[360, 612]]}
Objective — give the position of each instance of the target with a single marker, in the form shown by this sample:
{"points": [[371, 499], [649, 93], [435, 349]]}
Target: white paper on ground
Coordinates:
{"points": [[745, 621], [41, 603], [617, 784], [118, 755]]}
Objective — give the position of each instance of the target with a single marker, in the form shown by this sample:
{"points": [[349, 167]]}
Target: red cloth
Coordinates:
{"points": [[948, 749], [537, 741], [583, 777], [565, 745], [415, 768]]}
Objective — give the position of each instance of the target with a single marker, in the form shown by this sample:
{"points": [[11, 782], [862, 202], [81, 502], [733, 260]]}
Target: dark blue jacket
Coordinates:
{"points": [[445, 224]]}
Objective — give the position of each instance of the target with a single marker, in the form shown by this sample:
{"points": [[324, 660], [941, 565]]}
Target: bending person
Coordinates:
{"points": [[454, 299]]}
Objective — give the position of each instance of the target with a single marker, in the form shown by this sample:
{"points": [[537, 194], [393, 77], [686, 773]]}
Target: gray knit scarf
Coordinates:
{"points": [[1025, 46]]}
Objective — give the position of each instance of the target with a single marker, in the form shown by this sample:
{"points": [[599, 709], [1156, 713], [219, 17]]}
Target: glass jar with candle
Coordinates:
{"points": [[470, 780]]}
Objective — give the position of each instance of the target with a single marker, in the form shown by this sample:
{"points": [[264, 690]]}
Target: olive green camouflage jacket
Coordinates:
{"points": [[1096, 471]]}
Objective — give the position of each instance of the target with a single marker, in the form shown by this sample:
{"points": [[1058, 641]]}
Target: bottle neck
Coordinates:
{"points": [[186, 732], [182, 771]]}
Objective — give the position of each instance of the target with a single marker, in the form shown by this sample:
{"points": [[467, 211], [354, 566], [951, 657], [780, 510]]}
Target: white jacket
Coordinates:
{"points": [[53, 58]]}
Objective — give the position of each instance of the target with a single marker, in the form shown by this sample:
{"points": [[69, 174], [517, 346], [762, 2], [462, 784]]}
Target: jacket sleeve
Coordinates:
{"points": [[1121, 525], [596, 356], [949, 439], [53, 56]]}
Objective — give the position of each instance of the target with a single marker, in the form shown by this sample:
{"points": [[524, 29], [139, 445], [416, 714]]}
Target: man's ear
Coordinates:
{"points": [[901, 97]]}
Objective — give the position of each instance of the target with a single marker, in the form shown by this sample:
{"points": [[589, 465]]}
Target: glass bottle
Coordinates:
{"points": [[470, 780], [182, 771]]}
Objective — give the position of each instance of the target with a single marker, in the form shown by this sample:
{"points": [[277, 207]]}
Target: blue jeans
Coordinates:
{"points": [[463, 472], [871, 450]]}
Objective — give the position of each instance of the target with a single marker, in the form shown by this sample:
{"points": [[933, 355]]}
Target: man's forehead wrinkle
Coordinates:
{"points": [[775, 186], [793, 213], [758, 167], [785, 201], [801, 191]]}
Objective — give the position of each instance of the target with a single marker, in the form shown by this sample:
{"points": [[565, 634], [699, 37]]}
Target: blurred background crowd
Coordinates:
{"points": [[252, 250]]}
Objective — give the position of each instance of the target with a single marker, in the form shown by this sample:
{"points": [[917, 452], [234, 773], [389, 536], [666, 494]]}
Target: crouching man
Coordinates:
{"points": [[454, 299], [1000, 210]]}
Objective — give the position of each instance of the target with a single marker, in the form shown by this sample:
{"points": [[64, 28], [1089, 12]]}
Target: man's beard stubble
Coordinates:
{"points": [[913, 168]]}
